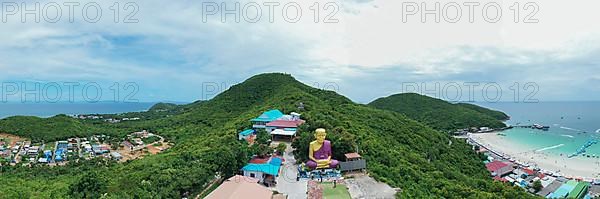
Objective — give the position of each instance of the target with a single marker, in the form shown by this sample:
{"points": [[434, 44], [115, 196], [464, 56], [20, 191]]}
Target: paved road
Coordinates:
{"points": [[286, 181]]}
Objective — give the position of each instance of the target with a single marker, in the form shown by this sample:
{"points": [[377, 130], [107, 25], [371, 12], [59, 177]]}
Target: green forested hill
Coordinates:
{"points": [[50, 129], [492, 113], [159, 107], [439, 114], [423, 162]]}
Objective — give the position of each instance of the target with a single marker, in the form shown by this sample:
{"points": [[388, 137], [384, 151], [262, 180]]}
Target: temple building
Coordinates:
{"points": [[266, 117], [278, 125], [285, 129]]}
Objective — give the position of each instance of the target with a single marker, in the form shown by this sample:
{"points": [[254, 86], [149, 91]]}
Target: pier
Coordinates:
{"points": [[534, 126]]}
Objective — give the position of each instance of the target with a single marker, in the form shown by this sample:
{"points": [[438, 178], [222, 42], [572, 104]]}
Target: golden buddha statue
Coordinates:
{"points": [[319, 152]]}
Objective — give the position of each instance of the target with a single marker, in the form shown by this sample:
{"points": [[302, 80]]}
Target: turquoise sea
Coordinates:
{"points": [[572, 124], [51, 109]]}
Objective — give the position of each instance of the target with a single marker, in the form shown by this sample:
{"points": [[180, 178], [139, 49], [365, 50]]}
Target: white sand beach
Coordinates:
{"points": [[569, 167]]}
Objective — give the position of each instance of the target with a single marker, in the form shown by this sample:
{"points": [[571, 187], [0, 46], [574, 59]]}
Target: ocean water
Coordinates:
{"points": [[572, 124], [51, 109]]}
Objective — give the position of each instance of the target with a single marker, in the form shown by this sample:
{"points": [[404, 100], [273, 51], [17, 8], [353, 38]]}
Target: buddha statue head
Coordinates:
{"points": [[320, 135]]}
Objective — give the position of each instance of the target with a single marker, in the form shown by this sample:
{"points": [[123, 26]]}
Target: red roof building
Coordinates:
{"points": [[283, 128], [352, 156], [127, 144], [528, 171], [258, 160], [499, 168], [285, 123], [541, 175]]}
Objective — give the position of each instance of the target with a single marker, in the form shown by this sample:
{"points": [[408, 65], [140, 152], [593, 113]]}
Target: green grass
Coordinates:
{"points": [[339, 192]]}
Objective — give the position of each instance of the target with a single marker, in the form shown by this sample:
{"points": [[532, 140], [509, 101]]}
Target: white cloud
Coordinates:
{"points": [[172, 46]]}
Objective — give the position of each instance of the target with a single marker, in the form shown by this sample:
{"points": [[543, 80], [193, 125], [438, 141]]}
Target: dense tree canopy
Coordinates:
{"points": [[492, 113], [404, 153], [439, 114], [51, 129]]}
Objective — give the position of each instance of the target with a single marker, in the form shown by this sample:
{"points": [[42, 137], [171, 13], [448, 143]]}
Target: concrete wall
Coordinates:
{"points": [[258, 175], [353, 165]]}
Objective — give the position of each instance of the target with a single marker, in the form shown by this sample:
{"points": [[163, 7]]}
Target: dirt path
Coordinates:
{"points": [[153, 149], [138, 152], [13, 138]]}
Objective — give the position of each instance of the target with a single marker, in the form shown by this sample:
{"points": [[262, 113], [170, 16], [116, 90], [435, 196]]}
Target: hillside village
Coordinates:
{"points": [[19, 151]]}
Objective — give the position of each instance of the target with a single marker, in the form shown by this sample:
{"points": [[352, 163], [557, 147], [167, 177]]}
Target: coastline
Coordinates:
{"points": [[577, 167], [45, 110]]}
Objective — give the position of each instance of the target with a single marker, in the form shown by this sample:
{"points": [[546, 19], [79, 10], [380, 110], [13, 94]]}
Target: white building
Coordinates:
{"points": [[261, 171]]}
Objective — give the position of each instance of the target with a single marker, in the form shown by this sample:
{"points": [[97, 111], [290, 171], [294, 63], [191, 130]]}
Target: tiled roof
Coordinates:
{"points": [[285, 123], [352, 155], [247, 132], [268, 116], [528, 171], [265, 168], [495, 165], [259, 160], [236, 188]]}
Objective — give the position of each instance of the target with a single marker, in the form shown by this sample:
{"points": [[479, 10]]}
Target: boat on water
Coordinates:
{"points": [[540, 127]]}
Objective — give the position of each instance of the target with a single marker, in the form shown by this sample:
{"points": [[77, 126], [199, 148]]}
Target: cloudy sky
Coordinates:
{"points": [[179, 51]]}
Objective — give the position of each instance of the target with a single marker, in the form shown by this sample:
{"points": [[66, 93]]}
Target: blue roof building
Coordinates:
{"points": [[563, 190], [265, 118], [48, 154], [62, 145], [265, 173], [59, 155], [263, 168], [275, 161], [244, 134], [268, 116]]}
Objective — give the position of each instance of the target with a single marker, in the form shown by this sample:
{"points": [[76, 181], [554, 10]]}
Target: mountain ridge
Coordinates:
{"points": [[402, 152], [439, 114]]}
